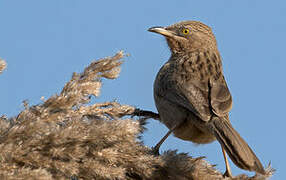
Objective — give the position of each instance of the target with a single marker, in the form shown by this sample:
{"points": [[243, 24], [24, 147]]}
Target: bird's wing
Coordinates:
{"points": [[220, 97], [191, 95], [202, 98]]}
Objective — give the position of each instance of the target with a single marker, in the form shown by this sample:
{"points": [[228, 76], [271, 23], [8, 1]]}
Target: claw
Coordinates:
{"points": [[155, 151], [227, 174]]}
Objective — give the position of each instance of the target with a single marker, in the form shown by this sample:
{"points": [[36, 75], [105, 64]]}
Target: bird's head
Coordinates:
{"points": [[187, 36]]}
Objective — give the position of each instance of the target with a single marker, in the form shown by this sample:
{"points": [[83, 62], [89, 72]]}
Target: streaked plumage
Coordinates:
{"points": [[191, 94]]}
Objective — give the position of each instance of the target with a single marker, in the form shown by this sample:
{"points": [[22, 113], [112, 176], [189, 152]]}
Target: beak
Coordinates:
{"points": [[162, 30]]}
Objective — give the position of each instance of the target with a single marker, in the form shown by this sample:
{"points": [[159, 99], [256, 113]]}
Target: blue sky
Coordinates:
{"points": [[43, 42]]}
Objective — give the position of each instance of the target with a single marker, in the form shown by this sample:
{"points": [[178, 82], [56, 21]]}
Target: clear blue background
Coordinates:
{"points": [[43, 42]]}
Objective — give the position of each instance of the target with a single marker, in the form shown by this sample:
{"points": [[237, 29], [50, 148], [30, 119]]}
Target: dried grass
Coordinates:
{"points": [[2, 65]]}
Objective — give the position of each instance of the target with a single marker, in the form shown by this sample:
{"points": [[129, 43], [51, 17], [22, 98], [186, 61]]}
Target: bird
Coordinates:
{"points": [[192, 96]]}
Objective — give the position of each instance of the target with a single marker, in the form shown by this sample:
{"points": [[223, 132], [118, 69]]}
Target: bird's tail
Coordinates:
{"points": [[236, 148]]}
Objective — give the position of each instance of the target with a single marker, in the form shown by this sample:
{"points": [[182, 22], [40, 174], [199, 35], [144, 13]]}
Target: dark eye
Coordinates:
{"points": [[185, 31]]}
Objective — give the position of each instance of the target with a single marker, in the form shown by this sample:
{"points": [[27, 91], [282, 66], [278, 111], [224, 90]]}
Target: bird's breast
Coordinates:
{"points": [[165, 79], [199, 65]]}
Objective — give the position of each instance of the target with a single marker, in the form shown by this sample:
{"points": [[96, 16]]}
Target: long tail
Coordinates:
{"points": [[236, 148]]}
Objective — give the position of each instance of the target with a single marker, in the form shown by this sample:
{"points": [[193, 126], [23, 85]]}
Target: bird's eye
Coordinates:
{"points": [[185, 31]]}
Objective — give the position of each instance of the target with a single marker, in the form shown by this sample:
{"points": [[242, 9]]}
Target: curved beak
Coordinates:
{"points": [[162, 31]]}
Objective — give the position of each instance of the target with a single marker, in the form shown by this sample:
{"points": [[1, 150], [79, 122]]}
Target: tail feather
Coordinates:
{"points": [[237, 149]]}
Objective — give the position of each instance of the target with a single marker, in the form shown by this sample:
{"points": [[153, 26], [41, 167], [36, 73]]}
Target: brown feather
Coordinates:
{"points": [[191, 94]]}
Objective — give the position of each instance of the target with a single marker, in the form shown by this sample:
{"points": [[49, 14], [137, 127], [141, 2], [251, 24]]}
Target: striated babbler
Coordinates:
{"points": [[192, 97]]}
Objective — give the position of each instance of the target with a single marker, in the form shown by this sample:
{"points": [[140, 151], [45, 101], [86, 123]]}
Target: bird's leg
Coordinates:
{"points": [[227, 171], [158, 145], [147, 114]]}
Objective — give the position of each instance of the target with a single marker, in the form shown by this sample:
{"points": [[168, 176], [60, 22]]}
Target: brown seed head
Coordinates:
{"points": [[187, 36]]}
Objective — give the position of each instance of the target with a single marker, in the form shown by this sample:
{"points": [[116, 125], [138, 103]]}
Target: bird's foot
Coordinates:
{"points": [[227, 174], [155, 151], [147, 114]]}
